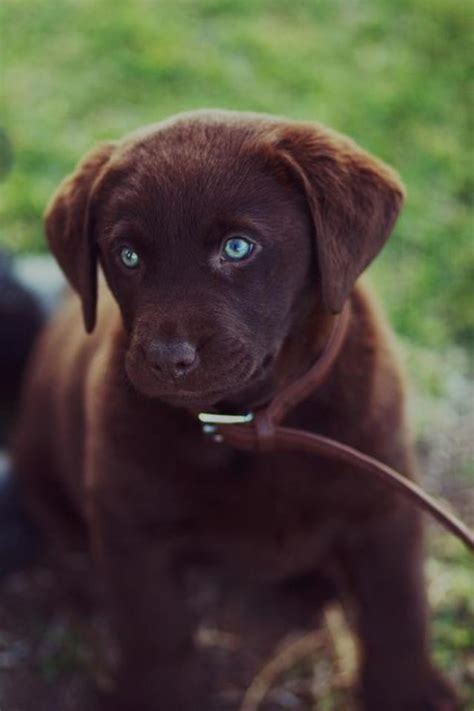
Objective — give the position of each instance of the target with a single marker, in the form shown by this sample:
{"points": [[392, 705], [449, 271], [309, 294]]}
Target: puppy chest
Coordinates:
{"points": [[258, 511]]}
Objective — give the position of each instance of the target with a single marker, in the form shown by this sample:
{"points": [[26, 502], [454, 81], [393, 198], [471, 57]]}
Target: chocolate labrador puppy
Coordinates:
{"points": [[228, 242]]}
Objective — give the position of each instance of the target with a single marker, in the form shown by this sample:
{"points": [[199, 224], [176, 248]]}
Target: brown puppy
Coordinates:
{"points": [[228, 242]]}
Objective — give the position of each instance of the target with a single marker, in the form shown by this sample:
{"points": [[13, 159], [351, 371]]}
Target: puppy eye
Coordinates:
{"points": [[129, 258], [237, 248]]}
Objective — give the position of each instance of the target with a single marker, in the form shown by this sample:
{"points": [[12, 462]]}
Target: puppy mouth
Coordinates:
{"points": [[202, 396], [246, 375], [183, 398], [213, 381], [209, 397]]}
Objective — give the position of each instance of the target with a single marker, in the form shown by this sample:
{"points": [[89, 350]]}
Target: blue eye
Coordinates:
{"points": [[129, 258], [237, 248]]}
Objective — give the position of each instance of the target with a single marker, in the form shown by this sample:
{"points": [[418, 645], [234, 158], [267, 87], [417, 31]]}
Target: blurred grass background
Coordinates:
{"points": [[396, 76]]}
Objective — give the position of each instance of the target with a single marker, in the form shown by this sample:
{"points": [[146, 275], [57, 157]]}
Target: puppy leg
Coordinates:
{"points": [[384, 563], [151, 621]]}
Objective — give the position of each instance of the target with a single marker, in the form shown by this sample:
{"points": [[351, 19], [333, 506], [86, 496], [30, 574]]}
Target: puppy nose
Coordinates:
{"points": [[172, 358]]}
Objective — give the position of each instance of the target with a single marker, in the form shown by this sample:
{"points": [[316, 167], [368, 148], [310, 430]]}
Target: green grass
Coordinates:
{"points": [[395, 76]]}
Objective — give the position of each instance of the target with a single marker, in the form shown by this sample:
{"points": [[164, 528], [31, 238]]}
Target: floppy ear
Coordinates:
{"points": [[68, 229], [354, 200]]}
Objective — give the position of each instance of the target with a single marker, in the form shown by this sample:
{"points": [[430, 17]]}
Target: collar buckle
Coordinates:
{"points": [[210, 421], [214, 418]]}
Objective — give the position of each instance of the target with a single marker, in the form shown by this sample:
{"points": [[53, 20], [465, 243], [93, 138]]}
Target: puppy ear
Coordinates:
{"points": [[354, 200], [68, 229]]}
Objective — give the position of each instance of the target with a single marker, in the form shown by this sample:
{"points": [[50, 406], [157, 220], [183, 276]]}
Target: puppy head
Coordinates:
{"points": [[218, 233]]}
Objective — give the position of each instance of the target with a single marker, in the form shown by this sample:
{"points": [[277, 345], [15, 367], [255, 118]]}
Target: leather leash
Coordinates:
{"points": [[261, 431]]}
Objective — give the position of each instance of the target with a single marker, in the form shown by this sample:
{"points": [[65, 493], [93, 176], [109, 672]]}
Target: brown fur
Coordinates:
{"points": [[108, 440]]}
